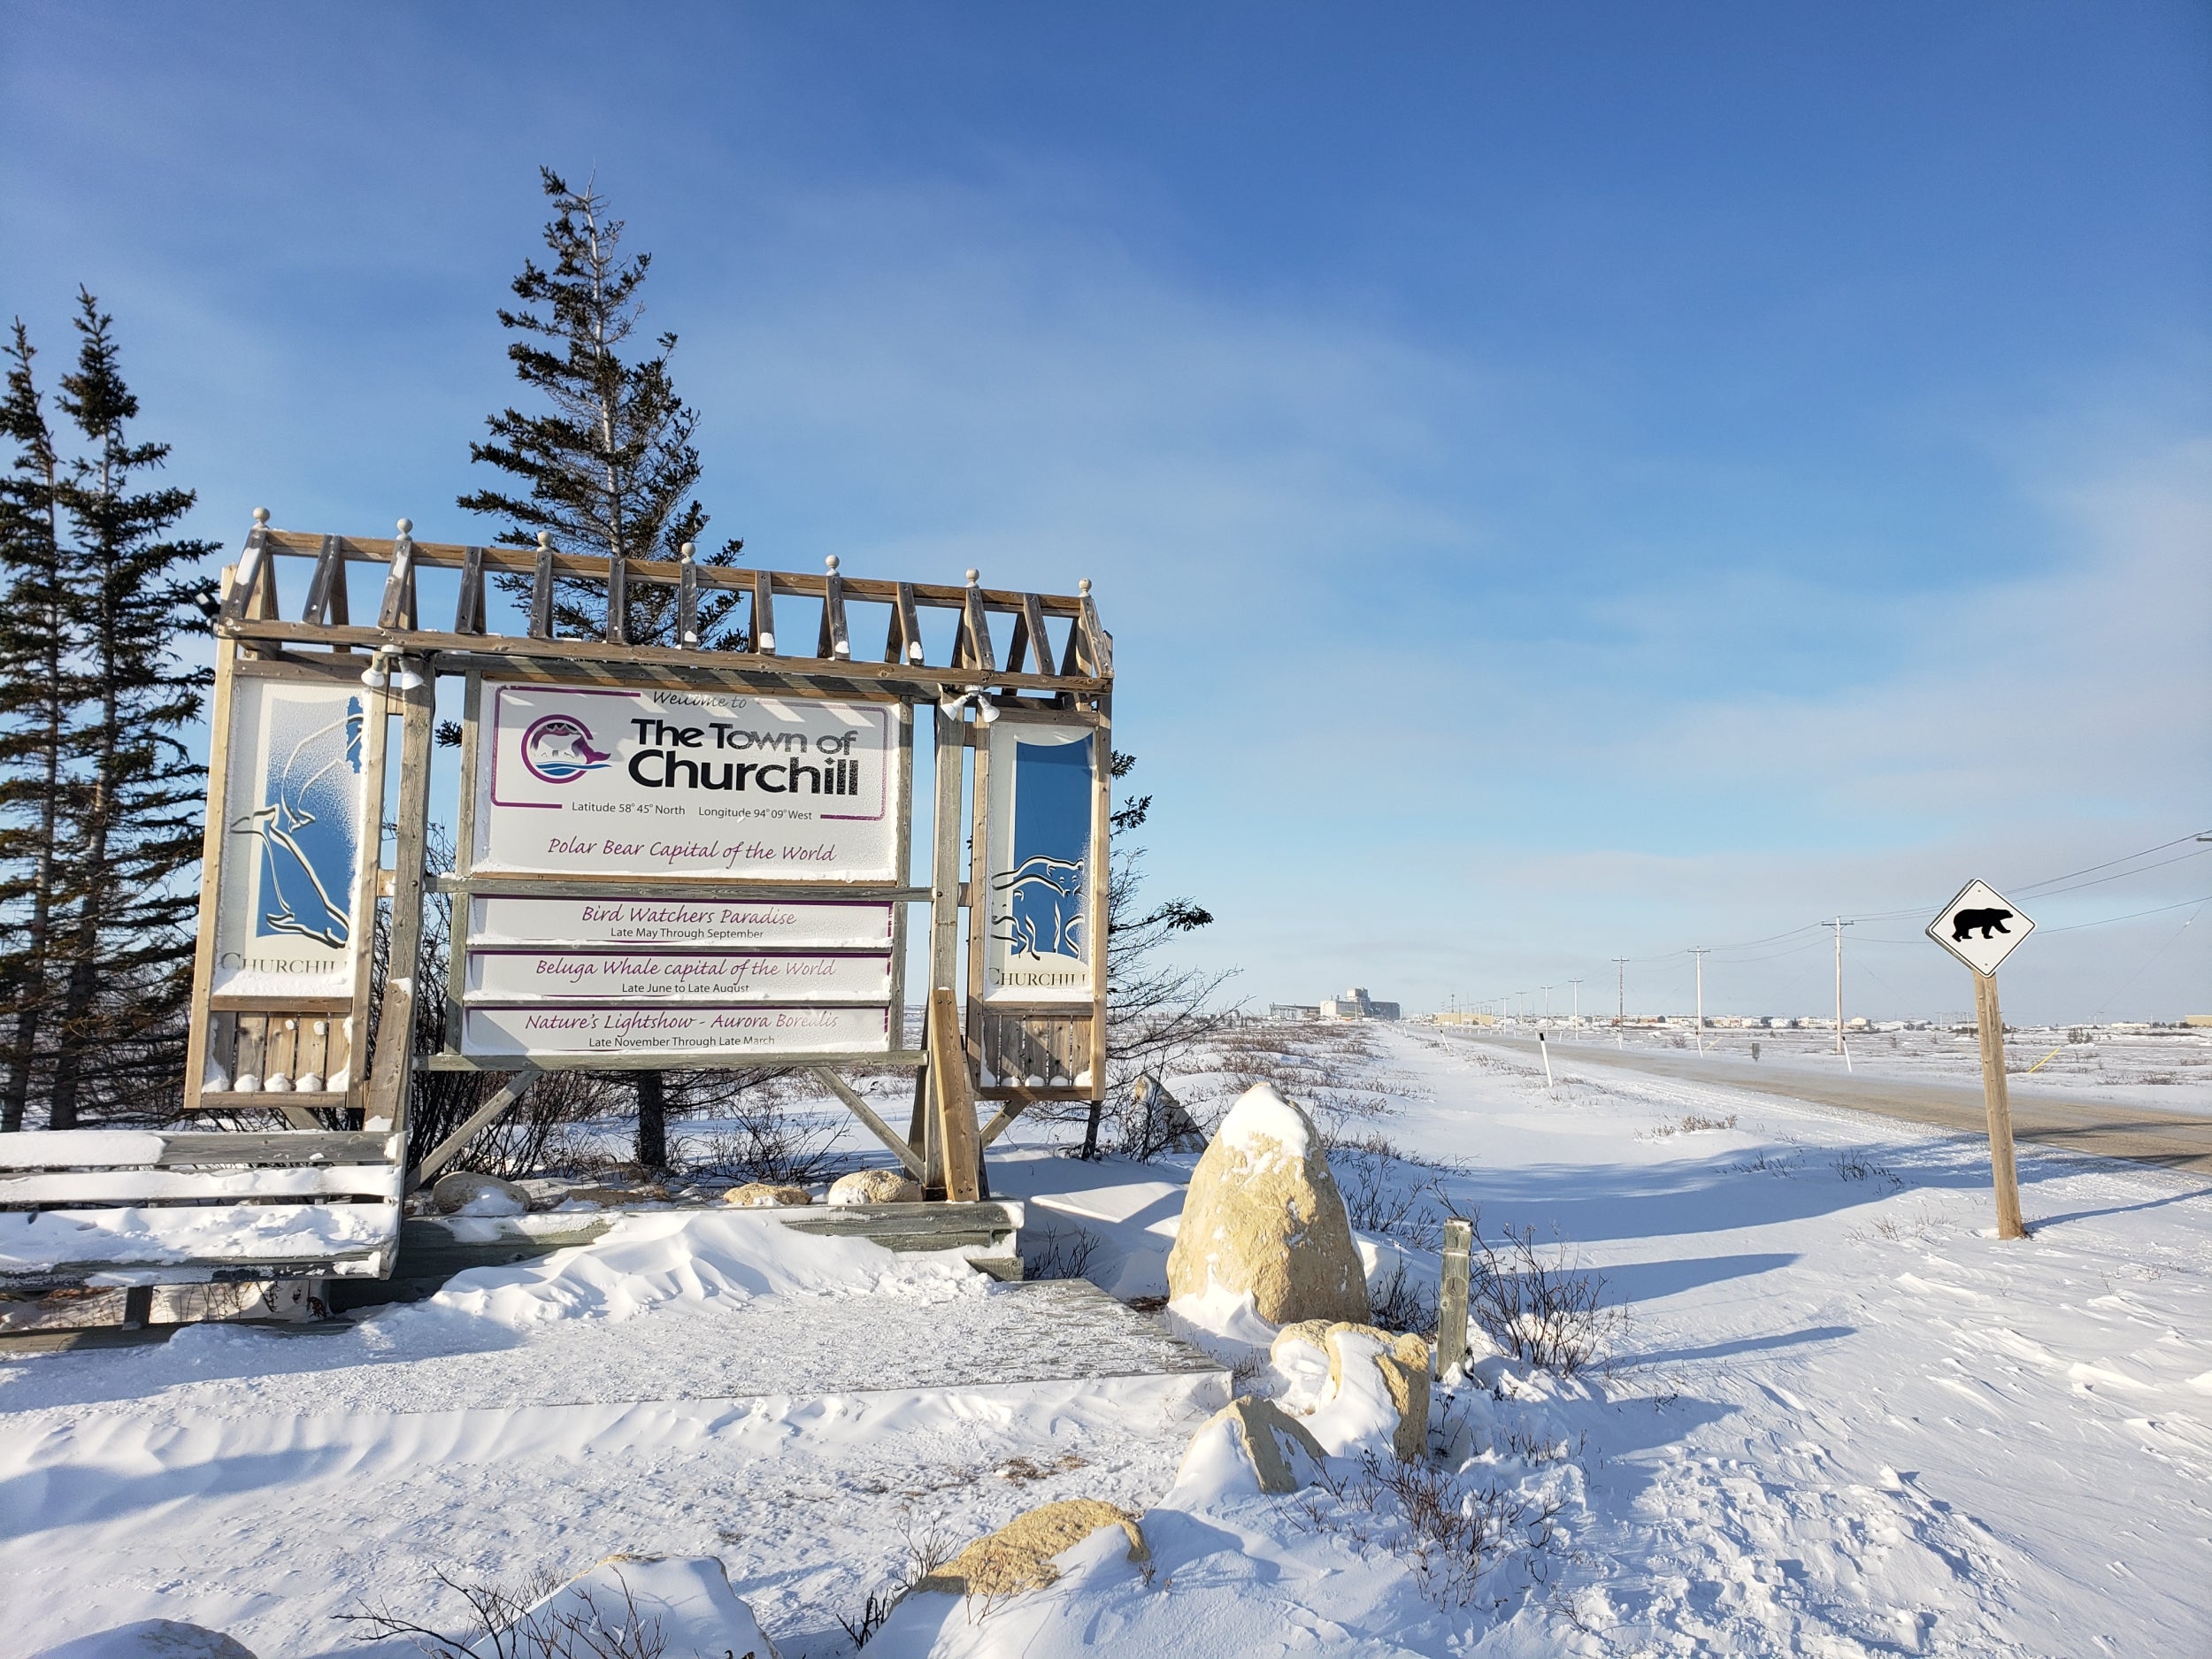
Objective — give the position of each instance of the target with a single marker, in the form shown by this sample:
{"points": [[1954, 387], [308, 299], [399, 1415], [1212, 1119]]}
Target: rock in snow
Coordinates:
{"points": [[1263, 1217], [687, 1602], [152, 1639], [766, 1195], [875, 1186], [1251, 1441], [465, 1195], [1379, 1386], [1019, 1556]]}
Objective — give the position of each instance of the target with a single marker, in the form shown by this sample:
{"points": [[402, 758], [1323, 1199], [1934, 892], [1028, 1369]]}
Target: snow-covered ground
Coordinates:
{"points": [[1841, 1417], [2163, 1069]]}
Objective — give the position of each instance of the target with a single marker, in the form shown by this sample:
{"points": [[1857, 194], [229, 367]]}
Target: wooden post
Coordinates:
{"points": [[1451, 1303], [1991, 1025], [955, 1098], [393, 1065]]}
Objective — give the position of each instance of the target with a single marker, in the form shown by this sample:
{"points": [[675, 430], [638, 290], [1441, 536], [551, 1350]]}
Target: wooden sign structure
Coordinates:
{"points": [[668, 856], [1981, 928]]}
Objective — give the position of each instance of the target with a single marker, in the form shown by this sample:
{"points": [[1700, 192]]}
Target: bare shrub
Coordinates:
{"points": [[760, 1139], [1765, 1163], [1691, 1124], [1057, 1252], [1402, 1301], [929, 1545], [1540, 1305], [1449, 1529], [1853, 1166], [501, 1617]]}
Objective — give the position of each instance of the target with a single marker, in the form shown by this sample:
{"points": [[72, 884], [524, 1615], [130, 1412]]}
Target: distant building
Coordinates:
{"points": [[1293, 1010], [1356, 1004]]}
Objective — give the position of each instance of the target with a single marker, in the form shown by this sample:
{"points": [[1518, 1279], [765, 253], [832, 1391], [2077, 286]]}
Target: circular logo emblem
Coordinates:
{"points": [[557, 748]]}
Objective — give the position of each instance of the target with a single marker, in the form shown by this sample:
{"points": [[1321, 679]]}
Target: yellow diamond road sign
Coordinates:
{"points": [[1980, 928]]}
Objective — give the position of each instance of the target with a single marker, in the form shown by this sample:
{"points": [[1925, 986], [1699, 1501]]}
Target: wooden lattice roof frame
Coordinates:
{"points": [[1084, 670]]}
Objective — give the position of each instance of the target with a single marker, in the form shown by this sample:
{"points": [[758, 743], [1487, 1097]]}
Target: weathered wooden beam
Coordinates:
{"points": [[835, 641], [188, 1148], [907, 1156], [506, 1096], [687, 599], [468, 610], [398, 608], [764, 640], [950, 1085], [541, 586], [591, 566], [490, 653]]}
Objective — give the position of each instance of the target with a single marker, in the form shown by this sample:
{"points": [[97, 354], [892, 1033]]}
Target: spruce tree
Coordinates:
{"points": [[37, 696], [609, 465], [606, 467], [132, 814]]}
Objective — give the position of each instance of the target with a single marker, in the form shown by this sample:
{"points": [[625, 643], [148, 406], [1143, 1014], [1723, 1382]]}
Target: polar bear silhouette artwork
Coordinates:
{"points": [[1966, 921], [1039, 906]]}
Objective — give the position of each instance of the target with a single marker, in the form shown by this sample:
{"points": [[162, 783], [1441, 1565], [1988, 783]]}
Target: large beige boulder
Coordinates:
{"points": [[1019, 1556], [765, 1195], [874, 1187], [1263, 1217]]}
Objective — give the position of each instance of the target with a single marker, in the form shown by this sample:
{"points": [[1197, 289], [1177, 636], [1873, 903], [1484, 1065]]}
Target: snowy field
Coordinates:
{"points": [[1829, 1413], [2161, 1068]]}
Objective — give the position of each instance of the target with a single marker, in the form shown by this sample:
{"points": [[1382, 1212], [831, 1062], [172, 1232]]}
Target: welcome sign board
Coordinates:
{"points": [[528, 974], [584, 781], [503, 918], [701, 1036], [294, 807], [1038, 859]]}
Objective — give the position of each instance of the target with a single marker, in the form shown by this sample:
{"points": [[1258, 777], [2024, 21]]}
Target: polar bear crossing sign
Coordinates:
{"points": [[1980, 928]]}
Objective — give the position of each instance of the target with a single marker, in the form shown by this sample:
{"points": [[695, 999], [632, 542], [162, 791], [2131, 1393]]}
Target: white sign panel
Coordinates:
{"points": [[1980, 928], [291, 861], [704, 1034], [499, 918], [533, 975], [1038, 859], [599, 780]]}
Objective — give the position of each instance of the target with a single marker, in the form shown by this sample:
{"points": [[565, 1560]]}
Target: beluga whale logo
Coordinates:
{"points": [[557, 749]]}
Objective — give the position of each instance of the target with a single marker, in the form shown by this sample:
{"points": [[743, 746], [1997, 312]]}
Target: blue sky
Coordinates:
{"points": [[1565, 482]]}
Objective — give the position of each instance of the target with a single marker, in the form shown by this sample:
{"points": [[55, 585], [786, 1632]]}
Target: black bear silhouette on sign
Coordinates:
{"points": [[1966, 921]]}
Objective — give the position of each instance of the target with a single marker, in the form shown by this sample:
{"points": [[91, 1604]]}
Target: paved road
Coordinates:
{"points": [[2064, 1121]]}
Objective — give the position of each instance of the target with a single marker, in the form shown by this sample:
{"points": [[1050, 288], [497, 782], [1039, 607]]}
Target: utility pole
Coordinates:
{"points": [[1840, 925], [1547, 1004], [1576, 1026], [1699, 952], [1620, 991]]}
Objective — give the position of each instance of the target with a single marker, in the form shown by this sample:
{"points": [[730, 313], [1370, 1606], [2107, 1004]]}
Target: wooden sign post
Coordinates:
{"points": [[1991, 1025], [1981, 928]]}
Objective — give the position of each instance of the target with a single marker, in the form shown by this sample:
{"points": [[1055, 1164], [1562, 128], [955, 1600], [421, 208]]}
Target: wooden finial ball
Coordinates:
{"points": [[261, 515], [972, 575], [406, 525], [688, 550], [830, 560], [1083, 586], [545, 538]]}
